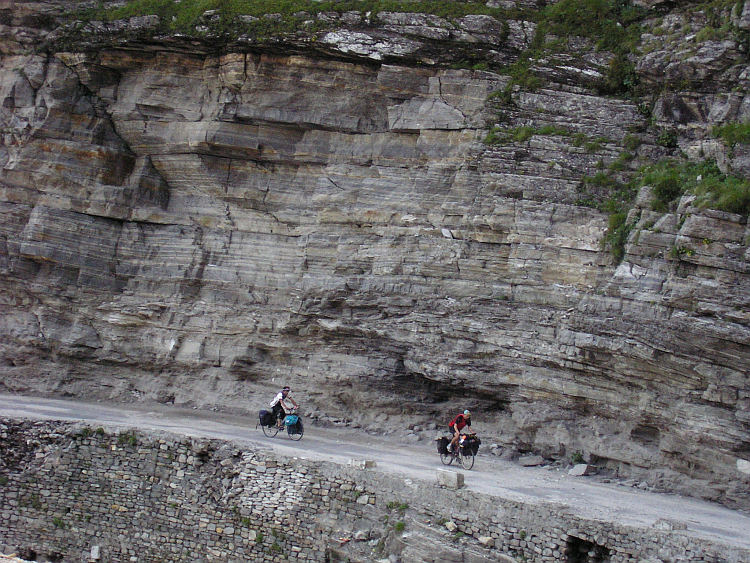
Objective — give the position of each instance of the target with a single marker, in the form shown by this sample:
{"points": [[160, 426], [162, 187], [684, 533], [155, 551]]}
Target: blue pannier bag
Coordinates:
{"points": [[291, 420]]}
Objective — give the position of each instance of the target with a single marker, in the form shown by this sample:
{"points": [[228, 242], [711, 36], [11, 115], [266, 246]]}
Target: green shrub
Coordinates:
{"points": [[601, 181], [621, 76], [127, 439], [503, 136], [677, 252], [617, 236], [708, 33], [500, 135], [667, 138], [591, 145], [494, 136], [714, 189], [399, 526], [594, 145], [631, 142], [726, 193], [667, 185], [733, 133], [601, 20], [622, 161], [576, 458], [520, 134], [604, 192], [521, 75], [3, 480], [553, 130]]}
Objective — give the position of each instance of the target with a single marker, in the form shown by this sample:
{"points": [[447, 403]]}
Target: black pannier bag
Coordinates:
{"points": [[266, 418], [442, 445], [471, 445], [295, 428]]}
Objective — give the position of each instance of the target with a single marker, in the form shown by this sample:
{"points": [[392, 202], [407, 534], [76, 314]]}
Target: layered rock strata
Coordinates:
{"points": [[191, 227]]}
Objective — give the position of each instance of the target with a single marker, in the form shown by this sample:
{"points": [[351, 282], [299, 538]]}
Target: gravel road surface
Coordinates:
{"points": [[584, 496]]}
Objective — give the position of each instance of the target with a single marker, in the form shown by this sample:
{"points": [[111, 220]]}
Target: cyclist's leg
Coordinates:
{"points": [[454, 442], [278, 413]]}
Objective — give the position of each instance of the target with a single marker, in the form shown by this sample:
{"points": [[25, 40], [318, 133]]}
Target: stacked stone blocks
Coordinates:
{"points": [[138, 497]]}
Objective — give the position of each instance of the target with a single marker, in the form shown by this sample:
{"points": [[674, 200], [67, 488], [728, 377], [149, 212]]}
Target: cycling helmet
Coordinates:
{"points": [[286, 388], [467, 412]]}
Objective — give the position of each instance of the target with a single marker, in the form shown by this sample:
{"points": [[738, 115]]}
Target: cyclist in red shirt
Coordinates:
{"points": [[455, 427]]}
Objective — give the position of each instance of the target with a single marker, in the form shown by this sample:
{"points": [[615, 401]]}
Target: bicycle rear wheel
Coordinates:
{"points": [[270, 431], [447, 459]]}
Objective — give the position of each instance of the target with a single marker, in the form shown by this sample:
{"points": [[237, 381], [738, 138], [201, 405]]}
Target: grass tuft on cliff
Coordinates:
{"points": [[733, 133], [714, 189]]}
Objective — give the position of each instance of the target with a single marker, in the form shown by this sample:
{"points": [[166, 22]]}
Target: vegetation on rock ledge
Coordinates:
{"points": [[714, 189], [733, 133], [272, 16], [671, 179]]}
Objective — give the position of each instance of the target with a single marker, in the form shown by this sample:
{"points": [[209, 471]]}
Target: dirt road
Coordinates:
{"points": [[583, 496]]}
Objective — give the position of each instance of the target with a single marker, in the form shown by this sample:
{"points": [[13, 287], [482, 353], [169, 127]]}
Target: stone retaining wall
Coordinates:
{"points": [[73, 493]]}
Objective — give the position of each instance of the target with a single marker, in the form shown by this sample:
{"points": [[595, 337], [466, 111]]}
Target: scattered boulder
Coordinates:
{"points": [[486, 541], [582, 469], [531, 460]]}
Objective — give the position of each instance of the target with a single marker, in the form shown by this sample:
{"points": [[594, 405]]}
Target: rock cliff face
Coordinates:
{"points": [[196, 226]]}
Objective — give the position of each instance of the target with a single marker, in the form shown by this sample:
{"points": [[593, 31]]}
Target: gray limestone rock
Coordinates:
{"points": [[743, 19], [193, 228]]}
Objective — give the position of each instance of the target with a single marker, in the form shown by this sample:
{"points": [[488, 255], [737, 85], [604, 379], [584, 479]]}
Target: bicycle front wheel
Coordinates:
{"points": [[295, 431], [467, 461]]}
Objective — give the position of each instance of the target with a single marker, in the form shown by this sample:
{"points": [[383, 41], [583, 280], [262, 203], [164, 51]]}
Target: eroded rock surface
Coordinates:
{"points": [[196, 228]]}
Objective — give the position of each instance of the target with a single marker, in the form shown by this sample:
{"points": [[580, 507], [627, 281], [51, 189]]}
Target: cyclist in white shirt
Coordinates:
{"points": [[280, 408]]}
